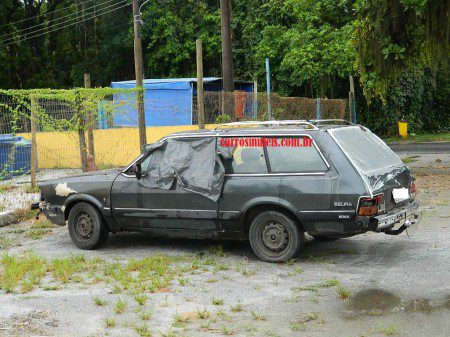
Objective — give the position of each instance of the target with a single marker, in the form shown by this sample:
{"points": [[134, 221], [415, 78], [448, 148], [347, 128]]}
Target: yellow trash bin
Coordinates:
{"points": [[403, 129]]}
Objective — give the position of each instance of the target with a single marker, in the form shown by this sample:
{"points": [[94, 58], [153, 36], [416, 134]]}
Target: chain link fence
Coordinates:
{"points": [[91, 129], [242, 106]]}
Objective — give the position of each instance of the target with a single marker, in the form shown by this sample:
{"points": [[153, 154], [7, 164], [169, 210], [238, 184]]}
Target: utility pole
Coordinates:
{"points": [[139, 70], [200, 101], [227, 56]]}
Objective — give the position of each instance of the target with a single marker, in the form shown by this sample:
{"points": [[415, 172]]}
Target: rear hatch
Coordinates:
{"points": [[379, 167]]}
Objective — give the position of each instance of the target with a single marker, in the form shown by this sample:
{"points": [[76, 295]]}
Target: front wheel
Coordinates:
{"points": [[275, 237], [86, 226]]}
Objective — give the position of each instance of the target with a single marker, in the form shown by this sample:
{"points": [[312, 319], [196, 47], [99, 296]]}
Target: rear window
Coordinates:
{"points": [[293, 159], [364, 149]]}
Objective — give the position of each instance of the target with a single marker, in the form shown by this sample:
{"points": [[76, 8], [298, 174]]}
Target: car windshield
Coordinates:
{"points": [[365, 150]]}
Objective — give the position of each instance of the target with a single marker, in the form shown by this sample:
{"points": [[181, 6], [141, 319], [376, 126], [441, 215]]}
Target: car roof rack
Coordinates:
{"points": [[330, 121], [306, 123]]}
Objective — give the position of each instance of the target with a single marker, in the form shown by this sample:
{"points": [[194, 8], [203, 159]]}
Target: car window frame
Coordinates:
{"points": [[270, 173], [138, 160], [314, 145], [244, 136]]}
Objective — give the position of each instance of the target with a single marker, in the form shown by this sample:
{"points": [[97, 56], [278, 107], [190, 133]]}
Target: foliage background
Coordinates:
{"points": [[396, 49]]}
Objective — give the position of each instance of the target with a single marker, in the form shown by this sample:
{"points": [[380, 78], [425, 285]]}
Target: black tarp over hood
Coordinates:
{"points": [[192, 161]]}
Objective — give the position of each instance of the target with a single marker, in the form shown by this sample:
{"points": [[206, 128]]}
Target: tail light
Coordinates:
{"points": [[371, 206], [412, 190]]}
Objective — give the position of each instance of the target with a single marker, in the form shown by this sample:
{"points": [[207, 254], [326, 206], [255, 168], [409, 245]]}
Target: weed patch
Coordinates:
{"points": [[315, 287], [37, 233], [387, 329], [24, 271], [344, 293]]}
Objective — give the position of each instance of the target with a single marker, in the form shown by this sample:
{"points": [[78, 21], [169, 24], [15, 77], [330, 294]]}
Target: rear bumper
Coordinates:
{"points": [[407, 214]]}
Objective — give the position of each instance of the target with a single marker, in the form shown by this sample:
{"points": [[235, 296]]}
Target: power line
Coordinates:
{"points": [[69, 25], [58, 19], [36, 16], [61, 24]]}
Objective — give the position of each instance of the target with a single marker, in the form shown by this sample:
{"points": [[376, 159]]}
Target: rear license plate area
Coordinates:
{"points": [[400, 194]]}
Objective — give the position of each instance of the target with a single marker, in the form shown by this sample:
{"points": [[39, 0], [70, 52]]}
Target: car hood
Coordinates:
{"points": [[87, 177]]}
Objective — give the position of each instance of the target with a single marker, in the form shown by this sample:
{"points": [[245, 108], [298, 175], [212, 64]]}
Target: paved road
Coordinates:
{"points": [[431, 147]]}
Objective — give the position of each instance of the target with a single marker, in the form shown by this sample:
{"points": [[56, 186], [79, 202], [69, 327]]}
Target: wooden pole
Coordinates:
{"points": [[81, 135], [91, 120], [200, 99], [227, 56], [34, 165], [139, 71], [351, 100]]}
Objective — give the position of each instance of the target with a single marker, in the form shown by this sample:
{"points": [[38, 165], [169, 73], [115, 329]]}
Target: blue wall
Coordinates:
{"points": [[165, 104], [166, 101]]}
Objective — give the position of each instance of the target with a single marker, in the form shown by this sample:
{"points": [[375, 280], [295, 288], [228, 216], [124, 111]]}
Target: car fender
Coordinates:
{"points": [[269, 201], [73, 198]]}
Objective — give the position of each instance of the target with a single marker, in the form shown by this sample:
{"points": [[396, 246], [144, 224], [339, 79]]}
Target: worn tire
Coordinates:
{"points": [[86, 226], [283, 238]]}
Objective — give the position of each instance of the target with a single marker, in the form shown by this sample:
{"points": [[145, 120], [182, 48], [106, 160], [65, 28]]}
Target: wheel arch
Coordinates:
{"points": [[253, 209], [77, 198]]}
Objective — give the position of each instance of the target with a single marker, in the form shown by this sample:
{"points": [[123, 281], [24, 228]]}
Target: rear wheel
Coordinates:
{"points": [[86, 226], [275, 237]]}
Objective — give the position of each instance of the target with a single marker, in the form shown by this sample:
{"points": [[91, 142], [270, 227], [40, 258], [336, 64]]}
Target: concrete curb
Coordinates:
{"points": [[7, 218]]}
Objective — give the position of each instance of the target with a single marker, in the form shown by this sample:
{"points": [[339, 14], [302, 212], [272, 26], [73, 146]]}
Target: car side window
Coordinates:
{"points": [[246, 155], [294, 157], [145, 164]]}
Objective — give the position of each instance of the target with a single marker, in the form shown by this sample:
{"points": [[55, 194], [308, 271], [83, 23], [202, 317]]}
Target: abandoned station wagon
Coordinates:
{"points": [[269, 182]]}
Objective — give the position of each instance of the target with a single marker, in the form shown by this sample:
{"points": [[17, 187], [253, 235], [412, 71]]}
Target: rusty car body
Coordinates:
{"points": [[187, 185]]}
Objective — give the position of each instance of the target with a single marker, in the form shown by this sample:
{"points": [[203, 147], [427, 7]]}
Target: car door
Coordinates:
{"points": [[247, 181], [306, 179], [172, 211]]}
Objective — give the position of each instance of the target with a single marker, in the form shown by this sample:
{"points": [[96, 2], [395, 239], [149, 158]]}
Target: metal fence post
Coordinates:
{"points": [[318, 108], [255, 99], [269, 108]]}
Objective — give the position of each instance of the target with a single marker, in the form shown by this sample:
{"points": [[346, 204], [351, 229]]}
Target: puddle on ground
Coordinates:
{"points": [[373, 300], [379, 301]]}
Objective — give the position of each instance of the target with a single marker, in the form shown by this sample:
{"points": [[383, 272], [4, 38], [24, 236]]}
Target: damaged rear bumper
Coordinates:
{"points": [[53, 213], [407, 214]]}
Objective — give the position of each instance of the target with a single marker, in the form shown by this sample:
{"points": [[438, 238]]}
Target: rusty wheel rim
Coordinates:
{"points": [[275, 236], [84, 225]]}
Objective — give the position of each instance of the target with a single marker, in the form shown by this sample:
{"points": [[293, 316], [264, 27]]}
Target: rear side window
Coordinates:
{"points": [[245, 158], [365, 150], [295, 159]]}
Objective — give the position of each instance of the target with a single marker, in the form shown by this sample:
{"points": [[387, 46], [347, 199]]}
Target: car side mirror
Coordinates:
{"points": [[136, 169]]}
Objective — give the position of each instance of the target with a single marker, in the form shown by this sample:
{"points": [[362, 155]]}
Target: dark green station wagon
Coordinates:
{"points": [[268, 182]]}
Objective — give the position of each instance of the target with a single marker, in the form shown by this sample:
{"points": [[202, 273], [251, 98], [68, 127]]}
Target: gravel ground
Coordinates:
{"points": [[397, 285]]}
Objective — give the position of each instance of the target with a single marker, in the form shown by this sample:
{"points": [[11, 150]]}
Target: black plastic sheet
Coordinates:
{"points": [[192, 161]]}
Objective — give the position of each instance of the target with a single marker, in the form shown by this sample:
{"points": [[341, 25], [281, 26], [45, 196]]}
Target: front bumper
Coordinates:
{"points": [[407, 214], [53, 213]]}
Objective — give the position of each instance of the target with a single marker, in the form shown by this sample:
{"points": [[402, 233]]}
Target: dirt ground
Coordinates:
{"points": [[367, 285]]}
